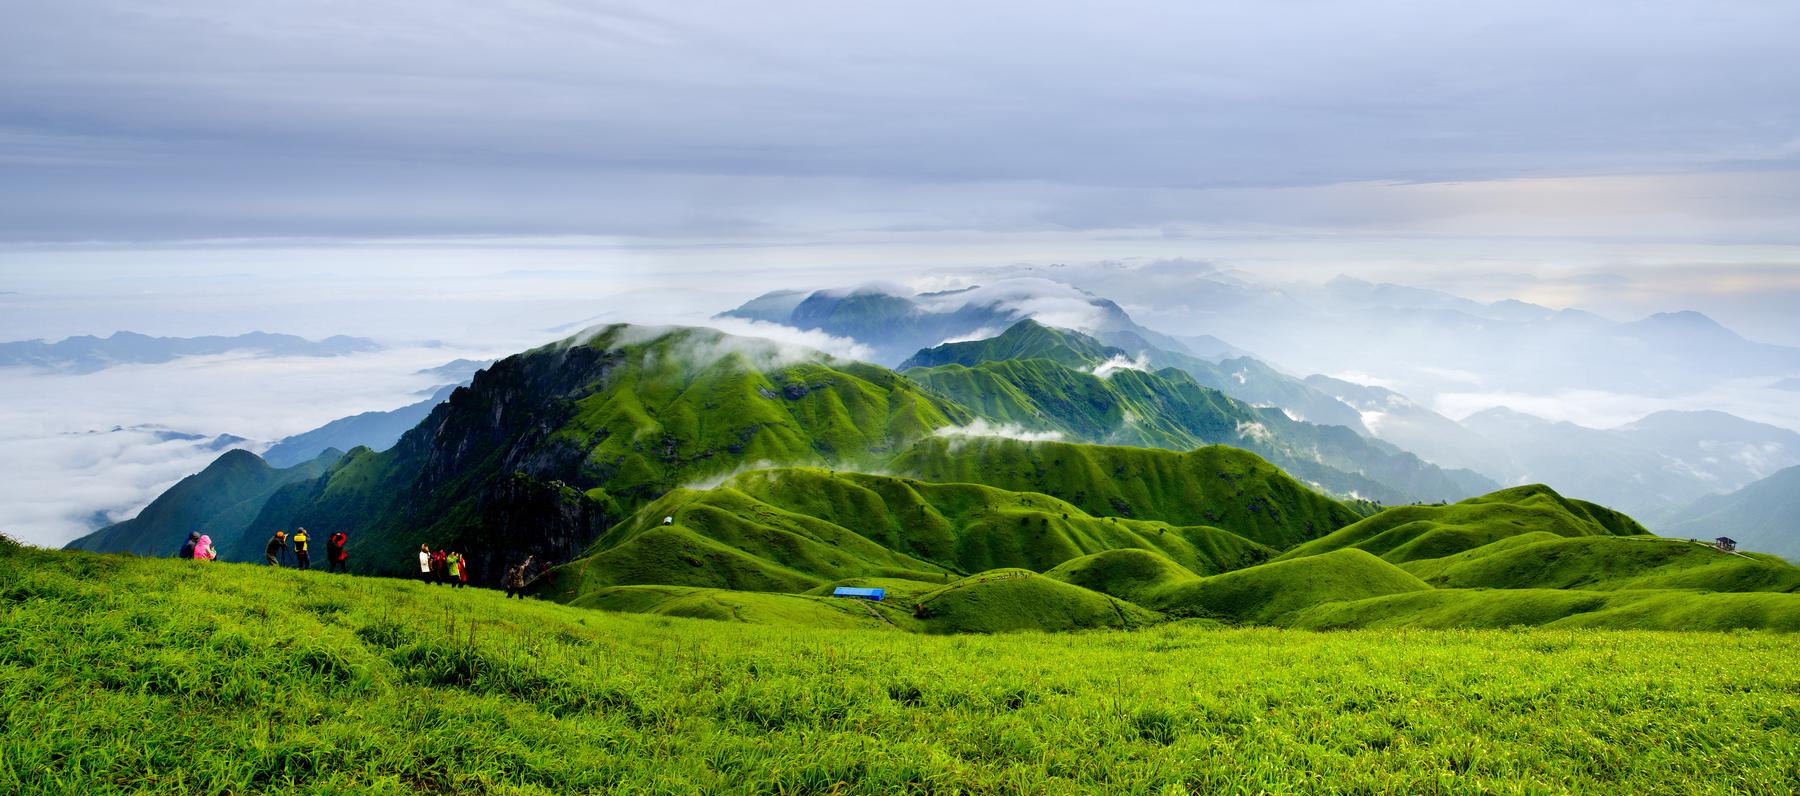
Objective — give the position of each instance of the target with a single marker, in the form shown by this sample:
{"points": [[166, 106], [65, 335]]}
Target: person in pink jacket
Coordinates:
{"points": [[204, 550]]}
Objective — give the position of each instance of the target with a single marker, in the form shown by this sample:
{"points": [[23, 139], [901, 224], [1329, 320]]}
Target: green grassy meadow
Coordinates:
{"points": [[121, 674]]}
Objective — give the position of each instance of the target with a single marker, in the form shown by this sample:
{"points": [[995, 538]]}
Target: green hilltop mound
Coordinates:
{"points": [[1264, 594], [1217, 486], [1008, 600], [791, 529], [1555, 608], [1546, 561], [1411, 533], [1129, 574], [1026, 339], [726, 605], [1056, 380]]}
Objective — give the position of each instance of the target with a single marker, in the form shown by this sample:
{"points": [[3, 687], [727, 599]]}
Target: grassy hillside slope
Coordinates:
{"points": [[1606, 562], [137, 675], [1217, 485], [838, 525], [1409, 533], [1502, 608], [1267, 593]]}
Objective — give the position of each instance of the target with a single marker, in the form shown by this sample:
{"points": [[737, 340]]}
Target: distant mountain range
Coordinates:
{"points": [[374, 430], [1426, 342], [87, 354], [1651, 467], [1763, 516]]}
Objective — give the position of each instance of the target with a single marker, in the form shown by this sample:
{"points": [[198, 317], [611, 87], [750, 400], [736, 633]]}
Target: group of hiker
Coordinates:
{"points": [[452, 568], [435, 566], [337, 556], [443, 566]]}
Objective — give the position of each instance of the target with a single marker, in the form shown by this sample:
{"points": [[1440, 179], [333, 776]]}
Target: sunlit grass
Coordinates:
{"points": [[122, 674]]}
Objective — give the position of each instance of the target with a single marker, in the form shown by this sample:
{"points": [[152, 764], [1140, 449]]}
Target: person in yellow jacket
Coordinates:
{"points": [[302, 553], [453, 564]]}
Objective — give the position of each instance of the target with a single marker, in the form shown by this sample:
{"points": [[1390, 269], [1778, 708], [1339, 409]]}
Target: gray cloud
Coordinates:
{"points": [[192, 119]]}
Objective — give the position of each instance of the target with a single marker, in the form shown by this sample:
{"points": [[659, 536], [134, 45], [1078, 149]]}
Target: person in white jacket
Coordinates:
{"points": [[425, 563]]}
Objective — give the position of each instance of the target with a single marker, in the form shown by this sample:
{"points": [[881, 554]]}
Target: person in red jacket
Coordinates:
{"points": [[335, 557]]}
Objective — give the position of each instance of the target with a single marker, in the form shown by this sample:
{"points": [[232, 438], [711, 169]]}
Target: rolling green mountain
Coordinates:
{"points": [[1043, 379], [219, 501], [1216, 486], [793, 529], [1410, 533], [646, 458], [1245, 378], [1763, 516], [546, 449], [1541, 560]]}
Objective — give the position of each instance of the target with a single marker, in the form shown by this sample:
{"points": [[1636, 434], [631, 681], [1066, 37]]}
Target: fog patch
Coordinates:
{"points": [[1255, 431], [982, 428], [1121, 362], [984, 333], [719, 479]]}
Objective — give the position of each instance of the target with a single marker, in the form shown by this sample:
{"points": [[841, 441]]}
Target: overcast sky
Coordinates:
{"points": [[210, 119]]}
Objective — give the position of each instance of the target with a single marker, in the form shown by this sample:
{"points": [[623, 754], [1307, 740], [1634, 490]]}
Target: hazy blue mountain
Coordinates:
{"points": [[1206, 346], [1764, 516], [87, 354], [1425, 342], [456, 371], [895, 323], [217, 442], [1650, 468], [219, 501], [373, 430], [1393, 417]]}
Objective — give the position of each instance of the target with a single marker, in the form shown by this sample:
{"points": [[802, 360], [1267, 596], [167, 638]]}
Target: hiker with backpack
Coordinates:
{"points": [[514, 581], [276, 546], [187, 549], [336, 560], [302, 553], [203, 549]]}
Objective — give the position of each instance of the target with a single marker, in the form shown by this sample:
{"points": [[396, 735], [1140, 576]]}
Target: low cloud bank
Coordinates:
{"points": [[982, 428], [64, 472]]}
